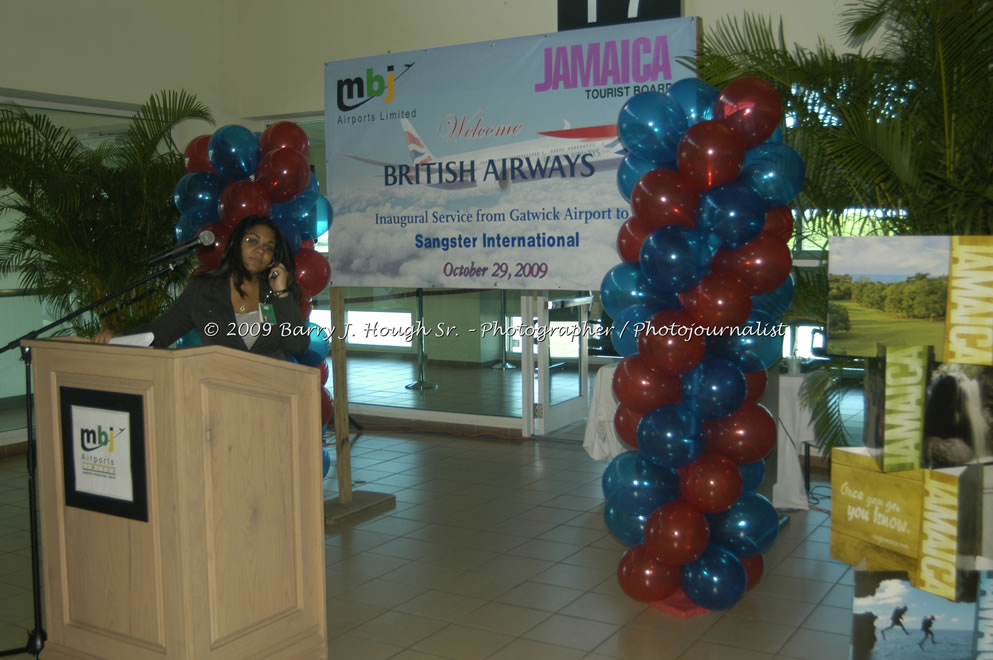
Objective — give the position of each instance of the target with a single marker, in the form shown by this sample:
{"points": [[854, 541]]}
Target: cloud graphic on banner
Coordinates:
{"points": [[389, 251]]}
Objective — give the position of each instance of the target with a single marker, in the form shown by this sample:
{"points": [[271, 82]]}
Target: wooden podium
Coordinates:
{"points": [[219, 451]]}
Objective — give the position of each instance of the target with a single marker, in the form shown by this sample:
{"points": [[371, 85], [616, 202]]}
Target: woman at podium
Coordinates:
{"points": [[249, 302]]}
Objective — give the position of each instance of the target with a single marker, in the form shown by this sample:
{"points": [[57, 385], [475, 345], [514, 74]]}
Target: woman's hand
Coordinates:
{"points": [[103, 337], [279, 279]]}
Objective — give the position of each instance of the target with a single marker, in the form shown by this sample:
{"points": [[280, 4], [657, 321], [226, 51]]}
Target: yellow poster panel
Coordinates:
{"points": [[919, 521], [969, 317]]}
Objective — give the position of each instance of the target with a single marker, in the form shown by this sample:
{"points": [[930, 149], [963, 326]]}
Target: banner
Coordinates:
{"points": [[490, 164]]}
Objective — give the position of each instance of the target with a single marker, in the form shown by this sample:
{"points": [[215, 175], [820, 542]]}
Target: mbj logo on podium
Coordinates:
{"points": [[102, 449], [91, 440]]}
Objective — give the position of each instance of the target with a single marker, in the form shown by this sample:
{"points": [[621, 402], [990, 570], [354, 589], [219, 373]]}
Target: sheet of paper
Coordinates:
{"points": [[140, 339]]}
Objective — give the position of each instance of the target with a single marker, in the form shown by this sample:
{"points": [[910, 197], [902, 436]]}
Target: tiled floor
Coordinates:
{"points": [[497, 549]]}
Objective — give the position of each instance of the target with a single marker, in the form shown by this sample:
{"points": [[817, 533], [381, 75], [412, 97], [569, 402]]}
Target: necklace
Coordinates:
{"points": [[243, 308]]}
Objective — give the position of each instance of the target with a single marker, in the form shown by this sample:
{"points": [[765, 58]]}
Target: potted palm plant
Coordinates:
{"points": [[85, 219], [896, 137]]}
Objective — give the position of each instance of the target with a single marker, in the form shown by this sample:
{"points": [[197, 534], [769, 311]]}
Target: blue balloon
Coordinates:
{"points": [[674, 258], [752, 474], [309, 211], [775, 303], [317, 350], [696, 98], [714, 389], [290, 232], [325, 461], [669, 436], [775, 171], [733, 212], [751, 352], [234, 152], [193, 219], [320, 223], [313, 185], [777, 135], [636, 485], [631, 169], [191, 339], [292, 209], [716, 581], [624, 333], [198, 189], [628, 528], [747, 528], [650, 126], [624, 285]]}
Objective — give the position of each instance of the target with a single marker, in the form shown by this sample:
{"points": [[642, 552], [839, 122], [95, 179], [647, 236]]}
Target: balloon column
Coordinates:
{"points": [[235, 173], [705, 275]]}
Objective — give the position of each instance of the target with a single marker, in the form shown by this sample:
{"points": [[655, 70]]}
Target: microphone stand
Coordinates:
{"points": [[37, 636]]}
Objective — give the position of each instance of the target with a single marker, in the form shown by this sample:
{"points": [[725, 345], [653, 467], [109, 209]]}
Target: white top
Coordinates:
{"points": [[248, 327]]}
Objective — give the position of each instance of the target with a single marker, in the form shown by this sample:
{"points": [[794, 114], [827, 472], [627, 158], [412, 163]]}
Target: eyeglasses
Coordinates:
{"points": [[253, 241]]}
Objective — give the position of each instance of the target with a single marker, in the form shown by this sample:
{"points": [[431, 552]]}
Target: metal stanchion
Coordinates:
{"points": [[503, 364], [420, 383]]}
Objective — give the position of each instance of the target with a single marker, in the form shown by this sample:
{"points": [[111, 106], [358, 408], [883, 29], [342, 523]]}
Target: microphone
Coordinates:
{"points": [[203, 239]]}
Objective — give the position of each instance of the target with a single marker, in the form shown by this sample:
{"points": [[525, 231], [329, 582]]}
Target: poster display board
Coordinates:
{"points": [[936, 414], [893, 619], [491, 164], [918, 521], [912, 290]]}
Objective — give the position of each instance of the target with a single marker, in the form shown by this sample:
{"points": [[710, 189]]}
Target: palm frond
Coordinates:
{"points": [[84, 220], [821, 393]]}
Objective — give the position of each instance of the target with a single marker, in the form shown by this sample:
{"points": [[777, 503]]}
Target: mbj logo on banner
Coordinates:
{"points": [[490, 164], [102, 452]]}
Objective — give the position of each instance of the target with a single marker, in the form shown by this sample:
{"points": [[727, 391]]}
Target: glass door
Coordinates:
{"points": [[557, 345]]}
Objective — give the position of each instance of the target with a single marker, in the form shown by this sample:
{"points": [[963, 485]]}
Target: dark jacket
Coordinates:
{"points": [[206, 300]]}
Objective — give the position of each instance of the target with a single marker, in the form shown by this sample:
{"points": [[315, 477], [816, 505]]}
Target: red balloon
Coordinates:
{"points": [[284, 134], [313, 271], [663, 348], [327, 407], [665, 197], [644, 578], [779, 223], [210, 255], [754, 565], [309, 243], [713, 483], [195, 155], [626, 422], [762, 264], [242, 199], [745, 436], [676, 533], [756, 382], [283, 174], [718, 300], [325, 371], [306, 307], [630, 237], [751, 108], [641, 388], [710, 154]]}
